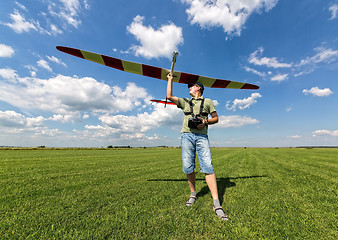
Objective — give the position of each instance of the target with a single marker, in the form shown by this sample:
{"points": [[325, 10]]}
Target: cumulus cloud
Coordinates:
{"points": [[234, 121], [229, 14], [13, 121], [27, 128], [319, 133], [64, 94], [155, 43], [256, 59], [143, 122], [6, 51], [316, 91], [334, 11], [8, 74], [65, 118], [243, 103]]}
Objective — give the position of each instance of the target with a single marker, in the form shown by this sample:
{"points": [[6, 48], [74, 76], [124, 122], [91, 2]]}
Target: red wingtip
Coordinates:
{"points": [[71, 51], [163, 102]]}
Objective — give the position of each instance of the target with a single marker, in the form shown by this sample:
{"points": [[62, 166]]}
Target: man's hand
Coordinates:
{"points": [[200, 126], [170, 76]]}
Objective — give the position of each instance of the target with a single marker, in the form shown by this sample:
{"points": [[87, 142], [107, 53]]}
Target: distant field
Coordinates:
{"points": [[140, 194]]}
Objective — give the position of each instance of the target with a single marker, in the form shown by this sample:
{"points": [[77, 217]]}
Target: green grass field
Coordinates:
{"points": [[141, 194]]}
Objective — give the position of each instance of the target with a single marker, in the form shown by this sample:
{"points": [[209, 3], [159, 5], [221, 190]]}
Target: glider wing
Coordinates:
{"points": [[154, 72]]}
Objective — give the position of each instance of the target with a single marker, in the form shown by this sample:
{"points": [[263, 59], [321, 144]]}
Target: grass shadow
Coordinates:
{"points": [[222, 184]]}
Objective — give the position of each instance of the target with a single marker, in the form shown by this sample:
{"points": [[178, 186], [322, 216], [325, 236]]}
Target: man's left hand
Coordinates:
{"points": [[200, 126]]}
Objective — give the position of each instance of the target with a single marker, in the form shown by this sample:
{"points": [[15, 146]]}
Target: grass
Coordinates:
{"points": [[140, 194]]}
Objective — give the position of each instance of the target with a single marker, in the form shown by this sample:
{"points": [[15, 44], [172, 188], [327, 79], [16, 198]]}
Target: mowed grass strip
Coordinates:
{"points": [[140, 194]]}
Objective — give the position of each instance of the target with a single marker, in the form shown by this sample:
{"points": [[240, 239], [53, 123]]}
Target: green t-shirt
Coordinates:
{"points": [[208, 107]]}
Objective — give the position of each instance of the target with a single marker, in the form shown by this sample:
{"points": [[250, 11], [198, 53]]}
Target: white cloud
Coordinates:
{"points": [[334, 11], [279, 77], [32, 70], [6, 51], [295, 137], [254, 71], [289, 109], [44, 64], [21, 6], [68, 11], [14, 120], [229, 14], [135, 127], [326, 55], [64, 118], [155, 43], [315, 91], [19, 24], [319, 133], [54, 30], [56, 60], [145, 121], [323, 55], [8, 74], [243, 103], [27, 128], [216, 103], [256, 59], [234, 121], [65, 95]]}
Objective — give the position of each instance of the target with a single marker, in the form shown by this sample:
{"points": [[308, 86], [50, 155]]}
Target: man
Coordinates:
{"points": [[194, 139]]}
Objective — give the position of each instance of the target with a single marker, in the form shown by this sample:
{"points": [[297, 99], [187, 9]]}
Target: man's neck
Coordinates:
{"points": [[196, 96]]}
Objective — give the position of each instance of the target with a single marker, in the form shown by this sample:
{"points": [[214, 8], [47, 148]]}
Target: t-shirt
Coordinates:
{"points": [[208, 107]]}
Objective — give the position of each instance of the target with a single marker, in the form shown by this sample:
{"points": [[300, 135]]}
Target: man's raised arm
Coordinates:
{"points": [[170, 89]]}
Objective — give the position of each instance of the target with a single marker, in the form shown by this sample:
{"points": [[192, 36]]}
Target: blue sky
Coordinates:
{"points": [[288, 48]]}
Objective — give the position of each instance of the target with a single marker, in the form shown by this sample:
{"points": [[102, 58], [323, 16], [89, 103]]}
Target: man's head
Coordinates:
{"points": [[198, 85]]}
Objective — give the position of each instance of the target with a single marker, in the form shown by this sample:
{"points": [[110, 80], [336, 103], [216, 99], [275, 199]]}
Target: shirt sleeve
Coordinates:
{"points": [[211, 106], [182, 103]]}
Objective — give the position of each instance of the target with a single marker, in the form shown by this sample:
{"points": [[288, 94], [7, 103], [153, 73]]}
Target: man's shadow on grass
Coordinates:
{"points": [[222, 184]]}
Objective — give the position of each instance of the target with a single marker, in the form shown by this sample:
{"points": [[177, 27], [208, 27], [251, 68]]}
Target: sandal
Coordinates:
{"points": [[188, 203], [223, 217]]}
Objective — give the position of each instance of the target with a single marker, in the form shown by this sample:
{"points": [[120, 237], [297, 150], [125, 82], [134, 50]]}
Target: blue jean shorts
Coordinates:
{"points": [[191, 144]]}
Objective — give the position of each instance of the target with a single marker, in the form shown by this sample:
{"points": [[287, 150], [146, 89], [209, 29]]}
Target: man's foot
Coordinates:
{"points": [[191, 201], [220, 213]]}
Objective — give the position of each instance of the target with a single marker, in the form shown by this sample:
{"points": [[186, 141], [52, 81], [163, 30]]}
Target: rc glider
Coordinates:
{"points": [[155, 72]]}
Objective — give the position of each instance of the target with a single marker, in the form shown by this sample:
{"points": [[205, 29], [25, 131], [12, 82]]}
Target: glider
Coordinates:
{"points": [[155, 72]]}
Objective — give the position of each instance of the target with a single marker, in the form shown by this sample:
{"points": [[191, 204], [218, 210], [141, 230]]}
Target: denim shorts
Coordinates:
{"points": [[191, 144]]}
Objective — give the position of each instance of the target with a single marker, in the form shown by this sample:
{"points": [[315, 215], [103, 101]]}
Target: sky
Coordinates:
{"points": [[49, 98]]}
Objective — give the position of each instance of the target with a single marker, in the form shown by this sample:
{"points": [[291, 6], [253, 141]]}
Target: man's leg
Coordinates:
{"points": [[192, 181], [204, 156], [188, 158], [212, 184]]}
